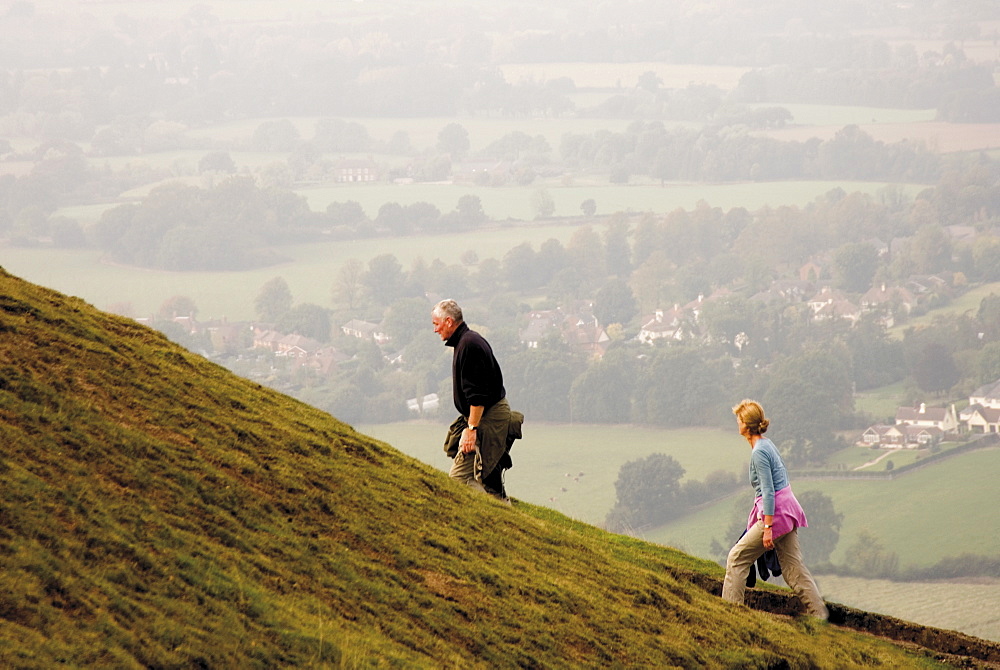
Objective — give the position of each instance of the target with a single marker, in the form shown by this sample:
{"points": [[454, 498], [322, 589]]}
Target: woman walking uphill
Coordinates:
{"points": [[774, 520]]}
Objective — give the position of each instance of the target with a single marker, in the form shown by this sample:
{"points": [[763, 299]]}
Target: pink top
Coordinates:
{"points": [[788, 513]]}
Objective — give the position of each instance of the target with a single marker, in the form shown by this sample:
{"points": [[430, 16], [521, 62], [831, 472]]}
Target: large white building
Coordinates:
{"points": [[983, 413]]}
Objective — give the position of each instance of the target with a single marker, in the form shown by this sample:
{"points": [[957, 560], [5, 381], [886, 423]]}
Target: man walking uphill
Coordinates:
{"points": [[480, 438]]}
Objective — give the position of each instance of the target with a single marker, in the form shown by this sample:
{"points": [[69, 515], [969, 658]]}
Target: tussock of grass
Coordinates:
{"points": [[158, 511]]}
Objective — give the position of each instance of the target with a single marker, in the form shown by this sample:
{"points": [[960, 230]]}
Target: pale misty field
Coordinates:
{"points": [[968, 607]]}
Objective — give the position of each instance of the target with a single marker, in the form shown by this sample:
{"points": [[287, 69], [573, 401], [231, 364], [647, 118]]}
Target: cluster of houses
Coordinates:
{"points": [[923, 426], [578, 328], [887, 302]]}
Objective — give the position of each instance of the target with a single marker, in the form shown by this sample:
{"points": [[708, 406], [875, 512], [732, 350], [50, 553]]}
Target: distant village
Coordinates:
{"points": [[576, 327]]}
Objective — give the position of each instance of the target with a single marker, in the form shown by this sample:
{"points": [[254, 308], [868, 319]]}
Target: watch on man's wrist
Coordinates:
{"points": [[766, 526], [473, 427]]}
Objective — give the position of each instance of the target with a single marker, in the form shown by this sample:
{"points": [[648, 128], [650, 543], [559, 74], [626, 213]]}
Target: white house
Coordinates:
{"points": [[824, 297], [663, 325], [831, 303], [987, 396], [900, 436], [298, 346], [364, 330], [883, 296], [914, 427], [981, 419], [943, 418], [883, 436]]}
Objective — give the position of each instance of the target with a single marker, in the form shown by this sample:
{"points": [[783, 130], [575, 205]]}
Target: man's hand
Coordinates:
{"points": [[468, 441]]}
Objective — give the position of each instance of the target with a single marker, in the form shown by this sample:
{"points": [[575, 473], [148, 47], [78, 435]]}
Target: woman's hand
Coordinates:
{"points": [[769, 538]]}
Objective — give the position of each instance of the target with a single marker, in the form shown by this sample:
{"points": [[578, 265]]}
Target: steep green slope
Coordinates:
{"points": [[158, 511]]}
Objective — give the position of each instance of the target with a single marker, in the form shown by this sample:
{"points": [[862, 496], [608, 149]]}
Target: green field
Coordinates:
{"points": [[836, 115], [852, 457], [310, 271], [866, 459], [881, 403], [968, 303], [625, 76], [572, 468]]}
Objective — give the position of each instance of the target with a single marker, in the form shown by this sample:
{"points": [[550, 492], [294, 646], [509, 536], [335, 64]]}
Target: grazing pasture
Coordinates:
{"points": [[623, 76], [967, 303], [806, 115], [881, 403]]}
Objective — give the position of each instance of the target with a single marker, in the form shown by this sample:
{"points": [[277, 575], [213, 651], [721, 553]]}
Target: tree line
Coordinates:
{"points": [[241, 222]]}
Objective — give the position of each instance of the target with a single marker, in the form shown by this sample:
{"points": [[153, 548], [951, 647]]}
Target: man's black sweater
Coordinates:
{"points": [[476, 376]]}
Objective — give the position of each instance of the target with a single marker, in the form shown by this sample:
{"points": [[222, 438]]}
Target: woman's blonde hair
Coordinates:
{"points": [[752, 415]]}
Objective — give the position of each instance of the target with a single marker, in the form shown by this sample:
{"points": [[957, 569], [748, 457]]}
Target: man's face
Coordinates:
{"points": [[444, 326]]}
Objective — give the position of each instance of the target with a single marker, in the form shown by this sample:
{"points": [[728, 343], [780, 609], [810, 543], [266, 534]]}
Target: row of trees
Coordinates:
{"points": [[240, 223], [237, 225], [960, 90], [725, 153], [180, 227]]}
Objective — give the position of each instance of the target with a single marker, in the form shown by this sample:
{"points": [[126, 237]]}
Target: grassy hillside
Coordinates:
{"points": [[161, 512]]}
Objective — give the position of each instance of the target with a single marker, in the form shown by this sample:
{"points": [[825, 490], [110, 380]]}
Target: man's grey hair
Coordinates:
{"points": [[448, 309]]}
